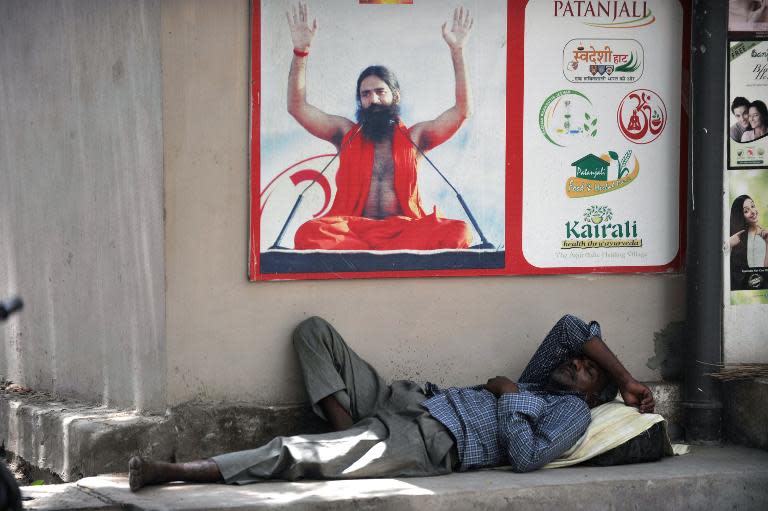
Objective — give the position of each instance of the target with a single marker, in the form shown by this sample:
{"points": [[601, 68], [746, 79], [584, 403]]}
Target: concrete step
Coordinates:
{"points": [[71, 440], [709, 478]]}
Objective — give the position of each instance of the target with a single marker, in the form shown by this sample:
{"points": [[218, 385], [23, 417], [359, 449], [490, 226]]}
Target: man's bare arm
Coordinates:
{"points": [[320, 124], [432, 133], [634, 393]]}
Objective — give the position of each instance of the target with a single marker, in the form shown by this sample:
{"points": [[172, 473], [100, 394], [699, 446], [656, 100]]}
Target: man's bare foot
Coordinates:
{"points": [[136, 468], [143, 472]]}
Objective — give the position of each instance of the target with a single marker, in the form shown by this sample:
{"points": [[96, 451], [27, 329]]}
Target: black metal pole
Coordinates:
{"points": [[704, 269]]}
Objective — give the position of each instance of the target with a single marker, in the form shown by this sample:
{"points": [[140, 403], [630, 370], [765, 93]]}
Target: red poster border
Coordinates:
{"points": [[514, 260], [254, 143]]}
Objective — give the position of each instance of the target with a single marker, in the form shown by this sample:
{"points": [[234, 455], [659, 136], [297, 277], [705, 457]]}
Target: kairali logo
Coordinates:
{"points": [[597, 231], [620, 14], [592, 174]]}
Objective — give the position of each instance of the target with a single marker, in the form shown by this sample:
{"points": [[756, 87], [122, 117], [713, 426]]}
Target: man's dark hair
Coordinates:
{"points": [[738, 223], [386, 75], [739, 252], [737, 102], [609, 390]]}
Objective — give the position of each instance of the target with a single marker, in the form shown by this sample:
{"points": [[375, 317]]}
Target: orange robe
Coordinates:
{"points": [[344, 227]]}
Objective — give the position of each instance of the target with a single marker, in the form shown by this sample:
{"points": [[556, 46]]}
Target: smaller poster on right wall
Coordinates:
{"points": [[747, 134], [748, 94], [748, 238]]}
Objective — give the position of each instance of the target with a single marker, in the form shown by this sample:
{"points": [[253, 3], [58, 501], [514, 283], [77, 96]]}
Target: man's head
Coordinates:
{"points": [[740, 110], [378, 99], [381, 87], [582, 374]]}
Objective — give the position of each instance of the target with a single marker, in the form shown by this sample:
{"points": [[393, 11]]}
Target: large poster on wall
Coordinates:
{"points": [[413, 138], [381, 137]]}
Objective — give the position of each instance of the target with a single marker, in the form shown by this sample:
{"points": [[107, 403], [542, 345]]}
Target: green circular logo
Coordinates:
{"points": [[567, 115]]}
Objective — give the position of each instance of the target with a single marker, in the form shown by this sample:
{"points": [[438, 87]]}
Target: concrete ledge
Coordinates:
{"points": [[669, 404], [74, 440], [203, 430], [745, 415], [708, 478]]}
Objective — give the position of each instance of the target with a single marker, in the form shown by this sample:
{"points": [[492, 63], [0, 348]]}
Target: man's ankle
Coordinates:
{"points": [[200, 471]]}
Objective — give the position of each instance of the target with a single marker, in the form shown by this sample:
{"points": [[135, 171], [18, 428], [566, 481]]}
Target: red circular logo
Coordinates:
{"points": [[641, 116]]}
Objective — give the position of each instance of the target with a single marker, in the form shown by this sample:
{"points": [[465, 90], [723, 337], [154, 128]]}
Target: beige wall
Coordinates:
{"points": [[229, 339], [81, 198]]}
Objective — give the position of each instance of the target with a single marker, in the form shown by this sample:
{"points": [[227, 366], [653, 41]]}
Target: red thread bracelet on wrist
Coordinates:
{"points": [[300, 53]]}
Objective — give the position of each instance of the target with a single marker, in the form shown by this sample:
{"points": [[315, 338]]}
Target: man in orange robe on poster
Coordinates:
{"points": [[377, 204]]}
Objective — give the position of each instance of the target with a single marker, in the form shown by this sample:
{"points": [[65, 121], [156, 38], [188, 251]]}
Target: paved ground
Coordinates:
{"points": [[707, 478]]}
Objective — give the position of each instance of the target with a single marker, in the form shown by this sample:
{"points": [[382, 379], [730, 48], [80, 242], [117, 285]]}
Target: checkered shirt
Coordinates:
{"points": [[525, 429]]}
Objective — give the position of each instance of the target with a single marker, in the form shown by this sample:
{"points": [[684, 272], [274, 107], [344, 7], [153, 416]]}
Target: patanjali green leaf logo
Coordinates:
{"points": [[598, 214], [566, 116]]}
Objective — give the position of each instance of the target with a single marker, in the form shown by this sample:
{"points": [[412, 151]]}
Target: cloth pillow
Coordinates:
{"points": [[614, 424]]}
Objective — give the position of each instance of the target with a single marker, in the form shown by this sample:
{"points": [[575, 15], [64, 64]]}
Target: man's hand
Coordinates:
{"points": [[500, 385], [638, 395], [301, 33], [458, 34]]}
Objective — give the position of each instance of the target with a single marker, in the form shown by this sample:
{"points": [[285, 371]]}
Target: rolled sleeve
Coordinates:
{"points": [[594, 330]]}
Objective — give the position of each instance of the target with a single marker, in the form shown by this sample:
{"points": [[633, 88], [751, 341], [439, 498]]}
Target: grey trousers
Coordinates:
{"points": [[393, 435]]}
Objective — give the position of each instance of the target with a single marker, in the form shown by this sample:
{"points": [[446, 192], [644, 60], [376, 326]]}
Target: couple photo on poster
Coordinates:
{"points": [[751, 120], [416, 180], [748, 237]]}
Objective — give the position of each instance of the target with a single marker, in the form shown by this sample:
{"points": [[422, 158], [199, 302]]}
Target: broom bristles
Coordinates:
{"points": [[749, 371]]}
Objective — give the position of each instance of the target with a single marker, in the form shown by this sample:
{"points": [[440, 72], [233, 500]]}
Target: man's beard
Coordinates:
{"points": [[377, 121], [555, 385]]}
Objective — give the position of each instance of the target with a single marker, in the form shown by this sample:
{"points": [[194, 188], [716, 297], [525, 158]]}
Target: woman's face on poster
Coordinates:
{"points": [[755, 118], [750, 212]]}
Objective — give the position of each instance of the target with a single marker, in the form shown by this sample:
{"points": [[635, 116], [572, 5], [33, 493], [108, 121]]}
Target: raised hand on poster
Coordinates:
{"points": [[301, 31], [458, 34]]}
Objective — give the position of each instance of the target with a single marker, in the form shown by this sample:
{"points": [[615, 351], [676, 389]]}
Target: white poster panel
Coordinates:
{"points": [[601, 138]]}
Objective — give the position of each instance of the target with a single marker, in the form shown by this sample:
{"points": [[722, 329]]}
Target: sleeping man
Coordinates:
{"points": [[402, 429]]}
